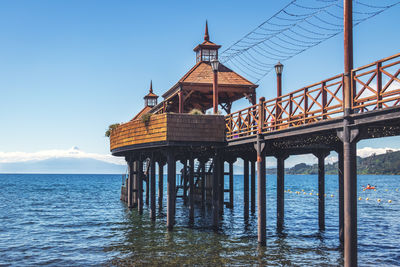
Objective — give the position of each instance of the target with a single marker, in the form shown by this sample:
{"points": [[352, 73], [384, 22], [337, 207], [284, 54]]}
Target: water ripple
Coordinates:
{"points": [[78, 220]]}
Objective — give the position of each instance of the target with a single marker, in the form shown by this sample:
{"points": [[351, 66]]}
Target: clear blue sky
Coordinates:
{"points": [[68, 69]]}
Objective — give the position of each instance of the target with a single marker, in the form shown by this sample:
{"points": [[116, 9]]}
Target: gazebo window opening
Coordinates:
{"points": [[208, 55], [151, 102]]}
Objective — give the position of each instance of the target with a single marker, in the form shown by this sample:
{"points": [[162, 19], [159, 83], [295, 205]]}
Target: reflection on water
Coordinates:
{"points": [[78, 220], [147, 242]]}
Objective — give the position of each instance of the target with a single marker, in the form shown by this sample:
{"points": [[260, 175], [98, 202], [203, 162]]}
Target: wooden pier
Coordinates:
{"points": [[331, 115]]}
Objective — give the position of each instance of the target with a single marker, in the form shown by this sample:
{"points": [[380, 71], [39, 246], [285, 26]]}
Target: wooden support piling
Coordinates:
{"points": [[321, 193], [231, 184], [321, 189], [349, 137], [280, 196], [147, 184], [215, 189], [261, 194], [221, 184], [341, 195], [184, 178], [160, 184], [191, 189], [135, 183], [130, 183], [171, 185], [126, 190], [253, 186], [350, 199], [203, 182], [152, 188], [140, 186], [246, 188], [349, 144]]}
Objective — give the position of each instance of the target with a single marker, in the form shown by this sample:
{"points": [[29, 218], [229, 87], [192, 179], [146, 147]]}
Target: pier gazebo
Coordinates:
{"points": [[165, 133]]}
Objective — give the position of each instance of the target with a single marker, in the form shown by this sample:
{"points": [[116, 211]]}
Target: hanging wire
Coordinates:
{"points": [[298, 26]]}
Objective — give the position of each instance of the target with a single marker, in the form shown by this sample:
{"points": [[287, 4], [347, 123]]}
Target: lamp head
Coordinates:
{"points": [[214, 64], [279, 68]]}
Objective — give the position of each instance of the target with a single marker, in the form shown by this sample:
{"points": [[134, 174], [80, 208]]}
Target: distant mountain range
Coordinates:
{"points": [[63, 165], [388, 163]]}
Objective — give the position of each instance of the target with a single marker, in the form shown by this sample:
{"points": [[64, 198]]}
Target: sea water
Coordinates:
{"points": [[78, 220]]}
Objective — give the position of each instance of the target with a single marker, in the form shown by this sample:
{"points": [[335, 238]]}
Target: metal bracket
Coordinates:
{"points": [[323, 154], [281, 156], [262, 146], [353, 134]]}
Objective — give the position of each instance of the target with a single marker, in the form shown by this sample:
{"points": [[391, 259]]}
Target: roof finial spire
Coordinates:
{"points": [[206, 36], [151, 86]]}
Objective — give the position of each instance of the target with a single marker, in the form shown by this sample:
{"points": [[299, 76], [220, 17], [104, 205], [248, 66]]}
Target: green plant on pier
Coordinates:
{"points": [[146, 117], [111, 128], [196, 111]]}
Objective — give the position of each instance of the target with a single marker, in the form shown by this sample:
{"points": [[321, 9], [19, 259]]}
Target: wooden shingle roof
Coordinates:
{"points": [[202, 73]]}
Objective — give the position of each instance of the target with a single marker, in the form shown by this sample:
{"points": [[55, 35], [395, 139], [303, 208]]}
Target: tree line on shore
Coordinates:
{"points": [[388, 163]]}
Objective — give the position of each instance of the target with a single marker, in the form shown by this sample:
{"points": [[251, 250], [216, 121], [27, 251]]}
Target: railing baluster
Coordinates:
{"points": [[230, 118], [305, 105], [323, 85], [353, 90], [240, 123], [261, 115], [290, 108], [378, 85], [277, 113]]}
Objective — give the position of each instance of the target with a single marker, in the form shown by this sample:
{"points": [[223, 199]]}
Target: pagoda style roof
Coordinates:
{"points": [[206, 44], [202, 74], [151, 94], [195, 88]]}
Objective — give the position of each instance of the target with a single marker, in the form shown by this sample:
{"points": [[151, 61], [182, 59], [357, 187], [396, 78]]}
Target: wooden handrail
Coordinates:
{"points": [[321, 100]]}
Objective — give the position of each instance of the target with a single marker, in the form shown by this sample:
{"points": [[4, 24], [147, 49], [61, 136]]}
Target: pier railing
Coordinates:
{"points": [[374, 86]]}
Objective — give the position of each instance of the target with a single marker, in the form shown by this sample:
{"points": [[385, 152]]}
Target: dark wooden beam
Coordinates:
{"points": [[253, 186], [130, 184], [160, 184], [280, 196], [171, 185], [152, 188], [215, 188], [246, 189], [321, 155], [261, 194], [191, 189], [140, 185], [341, 195], [231, 186]]}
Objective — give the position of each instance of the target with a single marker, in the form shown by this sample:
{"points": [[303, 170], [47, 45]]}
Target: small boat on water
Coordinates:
{"points": [[369, 187]]}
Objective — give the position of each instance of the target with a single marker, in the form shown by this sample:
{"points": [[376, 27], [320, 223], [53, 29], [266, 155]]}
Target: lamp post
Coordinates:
{"points": [[278, 70], [214, 66]]}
